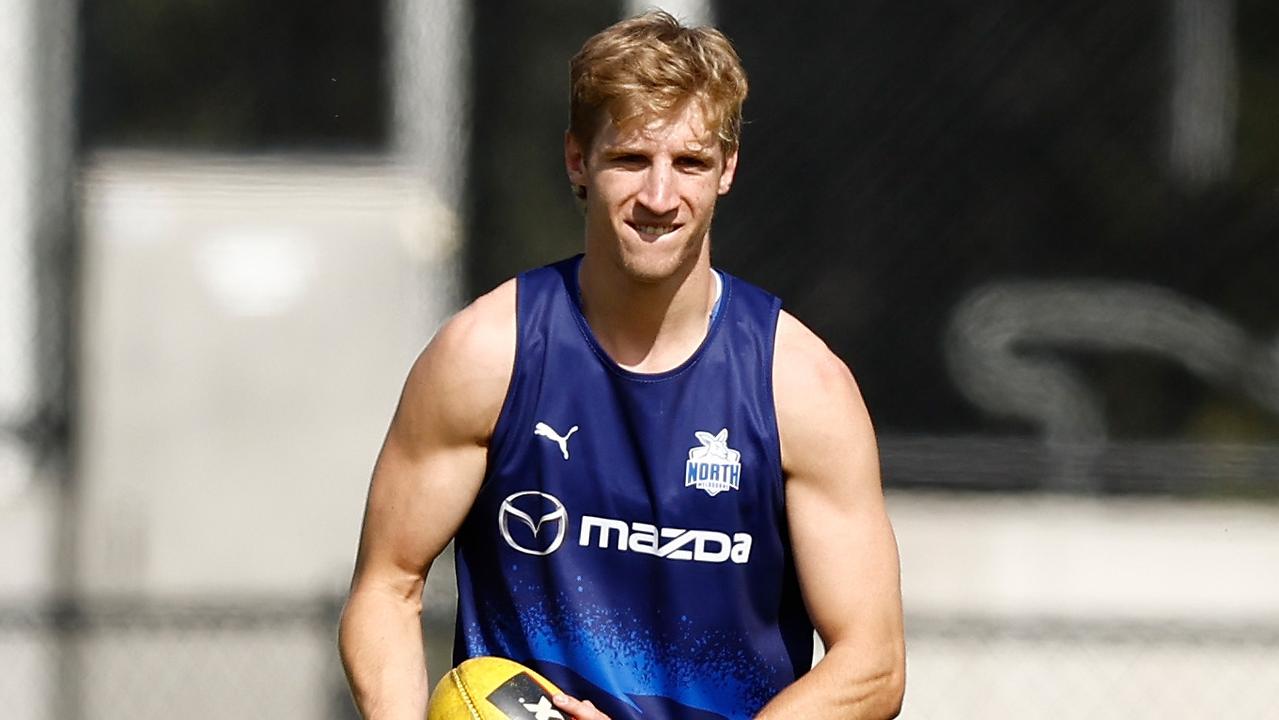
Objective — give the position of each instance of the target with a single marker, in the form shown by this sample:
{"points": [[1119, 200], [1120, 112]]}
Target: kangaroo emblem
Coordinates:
{"points": [[714, 466], [549, 433]]}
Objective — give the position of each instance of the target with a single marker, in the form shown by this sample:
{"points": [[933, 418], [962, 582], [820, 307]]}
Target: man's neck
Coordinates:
{"points": [[647, 327]]}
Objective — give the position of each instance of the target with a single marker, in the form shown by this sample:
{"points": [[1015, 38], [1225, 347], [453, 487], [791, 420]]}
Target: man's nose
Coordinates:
{"points": [[658, 194]]}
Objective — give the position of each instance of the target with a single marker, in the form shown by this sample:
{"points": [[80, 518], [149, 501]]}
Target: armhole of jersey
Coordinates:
{"points": [[776, 446], [497, 443]]}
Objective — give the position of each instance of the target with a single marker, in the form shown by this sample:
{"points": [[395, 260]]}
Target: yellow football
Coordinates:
{"points": [[493, 688]]}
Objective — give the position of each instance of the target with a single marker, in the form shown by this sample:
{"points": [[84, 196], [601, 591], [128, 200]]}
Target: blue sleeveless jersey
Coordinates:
{"points": [[629, 540]]}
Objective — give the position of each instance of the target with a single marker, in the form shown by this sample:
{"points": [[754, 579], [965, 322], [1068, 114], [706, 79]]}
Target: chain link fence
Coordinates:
{"points": [[150, 659], [278, 659], [1042, 236], [980, 667]]}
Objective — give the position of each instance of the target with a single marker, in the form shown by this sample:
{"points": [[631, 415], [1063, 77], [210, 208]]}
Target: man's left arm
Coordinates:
{"points": [[844, 549]]}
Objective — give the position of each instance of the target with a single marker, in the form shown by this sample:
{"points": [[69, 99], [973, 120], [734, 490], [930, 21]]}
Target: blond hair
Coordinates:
{"points": [[649, 66]]}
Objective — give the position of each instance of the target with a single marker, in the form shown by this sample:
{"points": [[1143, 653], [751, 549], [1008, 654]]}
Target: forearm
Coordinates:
{"points": [[847, 684], [380, 639]]}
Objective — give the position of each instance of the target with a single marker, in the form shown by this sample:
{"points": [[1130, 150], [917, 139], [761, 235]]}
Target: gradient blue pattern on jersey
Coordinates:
{"points": [[696, 613]]}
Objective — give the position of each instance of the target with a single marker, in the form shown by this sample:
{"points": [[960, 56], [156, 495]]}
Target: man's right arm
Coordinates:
{"points": [[425, 480]]}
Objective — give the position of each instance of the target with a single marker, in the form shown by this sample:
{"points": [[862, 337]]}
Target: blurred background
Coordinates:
{"points": [[1044, 236]]}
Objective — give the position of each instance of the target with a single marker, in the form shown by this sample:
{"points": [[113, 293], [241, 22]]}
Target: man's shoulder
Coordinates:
{"points": [[484, 328], [820, 411], [802, 360], [463, 373]]}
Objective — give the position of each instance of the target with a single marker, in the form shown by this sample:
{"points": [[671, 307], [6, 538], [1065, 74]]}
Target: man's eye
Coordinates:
{"points": [[692, 163], [629, 159]]}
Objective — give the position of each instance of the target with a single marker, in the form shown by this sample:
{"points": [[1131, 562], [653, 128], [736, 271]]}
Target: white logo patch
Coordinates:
{"points": [[548, 432], [714, 466]]}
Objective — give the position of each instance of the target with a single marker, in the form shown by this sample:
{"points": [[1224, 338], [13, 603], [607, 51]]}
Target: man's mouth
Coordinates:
{"points": [[654, 230]]}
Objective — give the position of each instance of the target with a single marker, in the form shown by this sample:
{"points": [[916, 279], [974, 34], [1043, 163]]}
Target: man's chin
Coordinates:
{"points": [[655, 268], [660, 261]]}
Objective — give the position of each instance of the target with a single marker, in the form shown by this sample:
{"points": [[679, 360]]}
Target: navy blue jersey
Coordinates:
{"points": [[629, 540]]}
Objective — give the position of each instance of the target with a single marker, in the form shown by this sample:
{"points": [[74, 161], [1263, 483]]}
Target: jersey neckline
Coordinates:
{"points": [[716, 319]]}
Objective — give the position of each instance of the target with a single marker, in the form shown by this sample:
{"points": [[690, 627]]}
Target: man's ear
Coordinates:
{"points": [[575, 162], [730, 170]]}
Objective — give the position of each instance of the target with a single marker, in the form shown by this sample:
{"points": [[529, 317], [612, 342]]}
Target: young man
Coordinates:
{"points": [[658, 482]]}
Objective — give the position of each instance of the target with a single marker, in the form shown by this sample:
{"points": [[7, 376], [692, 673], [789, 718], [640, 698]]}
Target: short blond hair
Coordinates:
{"points": [[648, 66]]}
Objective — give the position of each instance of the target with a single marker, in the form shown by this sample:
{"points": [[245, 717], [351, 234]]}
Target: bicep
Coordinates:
{"points": [[845, 553], [417, 500], [846, 560], [433, 459]]}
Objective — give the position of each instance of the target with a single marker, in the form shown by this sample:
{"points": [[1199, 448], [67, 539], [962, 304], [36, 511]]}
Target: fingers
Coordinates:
{"points": [[578, 709]]}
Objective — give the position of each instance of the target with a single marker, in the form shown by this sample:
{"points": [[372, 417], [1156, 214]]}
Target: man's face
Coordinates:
{"points": [[651, 190]]}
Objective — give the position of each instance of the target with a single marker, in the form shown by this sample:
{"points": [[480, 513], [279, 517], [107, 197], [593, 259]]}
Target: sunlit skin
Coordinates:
{"points": [[651, 188], [651, 191], [647, 289]]}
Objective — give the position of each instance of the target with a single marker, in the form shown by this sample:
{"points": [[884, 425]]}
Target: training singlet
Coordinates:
{"points": [[629, 540]]}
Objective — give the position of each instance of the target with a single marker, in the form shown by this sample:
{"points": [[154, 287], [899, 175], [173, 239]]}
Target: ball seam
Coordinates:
{"points": [[466, 694]]}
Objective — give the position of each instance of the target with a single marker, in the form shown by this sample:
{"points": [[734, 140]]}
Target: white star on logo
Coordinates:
{"points": [[542, 709]]}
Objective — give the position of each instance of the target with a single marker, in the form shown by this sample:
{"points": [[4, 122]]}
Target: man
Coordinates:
{"points": [[658, 482]]}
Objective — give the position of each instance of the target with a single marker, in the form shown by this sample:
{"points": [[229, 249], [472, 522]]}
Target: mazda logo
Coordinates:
{"points": [[545, 516]]}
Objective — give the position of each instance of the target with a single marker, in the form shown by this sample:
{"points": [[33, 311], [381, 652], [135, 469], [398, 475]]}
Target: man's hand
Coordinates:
{"points": [[578, 709]]}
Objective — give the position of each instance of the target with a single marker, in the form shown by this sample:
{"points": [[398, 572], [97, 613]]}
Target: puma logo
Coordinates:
{"points": [[549, 433]]}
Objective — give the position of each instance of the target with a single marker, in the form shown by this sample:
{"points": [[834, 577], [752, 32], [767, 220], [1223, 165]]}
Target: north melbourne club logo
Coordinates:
{"points": [[714, 466]]}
